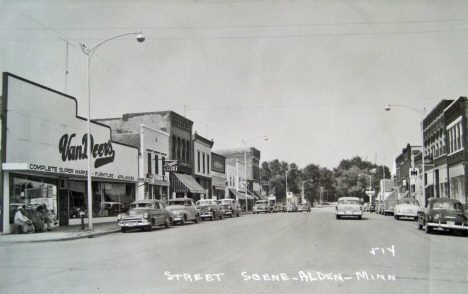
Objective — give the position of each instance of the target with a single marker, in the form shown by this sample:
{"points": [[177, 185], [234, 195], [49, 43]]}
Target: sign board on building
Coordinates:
{"points": [[370, 193], [264, 183], [171, 165], [289, 194], [413, 172], [429, 161], [218, 163]]}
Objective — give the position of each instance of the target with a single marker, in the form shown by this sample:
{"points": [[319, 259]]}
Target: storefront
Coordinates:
{"points": [[45, 158]]}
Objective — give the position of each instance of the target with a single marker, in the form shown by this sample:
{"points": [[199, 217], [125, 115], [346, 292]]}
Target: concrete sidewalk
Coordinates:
{"points": [[62, 233]]}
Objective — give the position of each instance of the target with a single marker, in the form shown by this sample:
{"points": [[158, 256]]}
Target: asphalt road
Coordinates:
{"points": [[267, 253]]}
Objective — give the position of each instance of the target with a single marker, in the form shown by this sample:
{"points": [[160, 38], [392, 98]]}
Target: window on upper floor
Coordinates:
{"points": [[455, 134], [198, 160], [203, 162], [208, 164], [149, 163]]}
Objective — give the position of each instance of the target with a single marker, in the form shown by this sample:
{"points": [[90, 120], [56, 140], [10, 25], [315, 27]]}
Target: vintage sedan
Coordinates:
{"points": [[144, 214], [443, 213], [290, 208], [183, 210], [306, 207], [348, 206], [378, 206], [210, 209], [389, 206], [231, 207], [262, 208], [406, 207], [278, 208]]}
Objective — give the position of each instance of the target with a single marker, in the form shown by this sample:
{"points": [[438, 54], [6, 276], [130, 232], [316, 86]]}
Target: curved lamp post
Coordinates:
{"points": [[245, 168], [422, 112], [90, 52]]}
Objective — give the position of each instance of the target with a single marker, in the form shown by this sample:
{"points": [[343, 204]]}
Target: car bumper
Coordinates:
{"points": [[228, 212], [133, 223], [349, 213], [407, 214], [206, 214], [447, 226]]}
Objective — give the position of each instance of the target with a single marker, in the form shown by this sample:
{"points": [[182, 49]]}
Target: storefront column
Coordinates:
{"points": [[6, 203]]}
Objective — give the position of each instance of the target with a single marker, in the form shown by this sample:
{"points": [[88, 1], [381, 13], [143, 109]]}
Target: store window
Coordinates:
{"points": [[109, 199], [32, 192]]}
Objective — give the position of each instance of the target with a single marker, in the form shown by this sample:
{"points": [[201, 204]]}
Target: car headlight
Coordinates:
{"points": [[430, 217], [437, 216], [145, 215], [209, 208], [177, 212], [119, 217]]}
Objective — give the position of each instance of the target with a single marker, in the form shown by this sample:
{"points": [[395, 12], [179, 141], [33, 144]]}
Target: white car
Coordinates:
{"points": [[406, 207], [348, 206]]}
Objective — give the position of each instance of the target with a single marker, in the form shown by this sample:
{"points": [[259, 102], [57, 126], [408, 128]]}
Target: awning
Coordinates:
{"points": [[391, 196], [219, 187], [239, 195], [186, 183]]}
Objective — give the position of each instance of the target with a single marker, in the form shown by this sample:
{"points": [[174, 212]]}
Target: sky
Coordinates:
{"points": [[313, 76]]}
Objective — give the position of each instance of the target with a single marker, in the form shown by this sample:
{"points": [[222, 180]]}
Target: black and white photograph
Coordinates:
{"points": [[236, 146]]}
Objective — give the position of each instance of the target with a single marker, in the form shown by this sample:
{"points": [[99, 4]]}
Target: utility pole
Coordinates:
{"points": [[66, 64]]}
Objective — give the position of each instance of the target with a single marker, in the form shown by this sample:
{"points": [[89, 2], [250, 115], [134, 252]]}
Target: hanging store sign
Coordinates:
{"points": [[171, 165]]}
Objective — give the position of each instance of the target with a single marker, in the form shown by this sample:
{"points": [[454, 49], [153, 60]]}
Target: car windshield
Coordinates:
{"points": [[447, 205], [348, 201], [206, 202], [176, 202], [225, 201], [141, 205], [408, 201]]}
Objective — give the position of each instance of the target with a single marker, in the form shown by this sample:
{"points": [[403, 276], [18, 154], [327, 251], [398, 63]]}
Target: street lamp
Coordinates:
{"points": [[90, 52], [422, 112], [245, 167], [286, 199], [303, 182]]}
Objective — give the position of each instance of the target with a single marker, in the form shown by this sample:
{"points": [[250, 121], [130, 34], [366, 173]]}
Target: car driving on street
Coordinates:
{"points": [[348, 206]]}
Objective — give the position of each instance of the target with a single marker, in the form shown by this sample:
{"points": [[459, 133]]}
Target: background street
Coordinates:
{"points": [[301, 246]]}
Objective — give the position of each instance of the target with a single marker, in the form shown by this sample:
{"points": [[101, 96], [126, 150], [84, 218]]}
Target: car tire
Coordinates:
{"points": [[359, 217], [428, 229], [123, 230], [182, 221], [420, 226], [196, 219], [221, 216], [212, 217], [338, 217], [397, 217], [167, 223]]}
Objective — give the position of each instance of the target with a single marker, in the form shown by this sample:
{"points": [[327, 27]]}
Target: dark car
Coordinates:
{"points": [[231, 207], [144, 214], [443, 213], [306, 207], [210, 209]]}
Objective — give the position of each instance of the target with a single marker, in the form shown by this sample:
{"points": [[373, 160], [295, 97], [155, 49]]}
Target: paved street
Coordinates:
{"points": [[274, 253]]}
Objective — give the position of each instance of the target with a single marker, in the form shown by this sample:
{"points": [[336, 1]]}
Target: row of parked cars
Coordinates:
{"points": [[281, 208], [439, 213], [146, 214]]}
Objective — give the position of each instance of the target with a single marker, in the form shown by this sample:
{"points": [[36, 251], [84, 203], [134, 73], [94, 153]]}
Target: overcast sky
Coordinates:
{"points": [[314, 76]]}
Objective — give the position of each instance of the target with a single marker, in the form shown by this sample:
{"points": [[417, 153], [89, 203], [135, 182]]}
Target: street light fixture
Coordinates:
{"points": [[90, 52], [245, 168], [422, 112]]}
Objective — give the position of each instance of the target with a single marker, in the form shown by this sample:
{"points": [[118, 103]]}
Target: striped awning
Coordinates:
{"points": [[186, 183]]}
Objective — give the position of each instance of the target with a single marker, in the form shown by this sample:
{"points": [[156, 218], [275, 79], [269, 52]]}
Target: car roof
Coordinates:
{"points": [[348, 198], [146, 201], [442, 200], [180, 199]]}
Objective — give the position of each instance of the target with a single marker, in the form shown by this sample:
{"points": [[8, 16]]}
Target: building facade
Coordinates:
{"points": [[219, 179], [202, 171], [45, 158], [179, 128]]}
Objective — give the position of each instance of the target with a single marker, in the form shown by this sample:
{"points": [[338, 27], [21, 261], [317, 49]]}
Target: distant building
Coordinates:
{"points": [[202, 163]]}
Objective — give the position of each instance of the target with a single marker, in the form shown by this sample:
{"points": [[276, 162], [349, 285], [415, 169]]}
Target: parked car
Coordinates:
{"points": [[389, 206], [278, 208], [348, 206], [306, 207], [406, 207], [210, 209], [231, 207], [443, 213], [299, 208], [290, 208], [365, 207], [144, 214], [262, 208], [183, 210]]}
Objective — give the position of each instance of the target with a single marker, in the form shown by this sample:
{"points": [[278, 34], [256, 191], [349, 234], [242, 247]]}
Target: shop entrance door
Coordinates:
{"points": [[63, 207]]}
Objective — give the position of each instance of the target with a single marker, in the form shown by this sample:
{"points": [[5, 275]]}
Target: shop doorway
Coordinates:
{"points": [[63, 207]]}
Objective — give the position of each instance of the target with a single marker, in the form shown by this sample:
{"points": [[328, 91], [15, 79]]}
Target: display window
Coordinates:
{"points": [[36, 195], [109, 199]]}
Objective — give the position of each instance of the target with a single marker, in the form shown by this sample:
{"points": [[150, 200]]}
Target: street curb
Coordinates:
{"points": [[63, 239]]}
